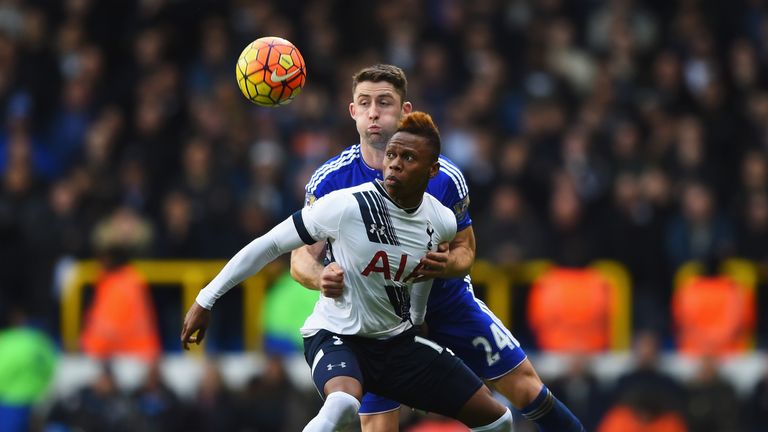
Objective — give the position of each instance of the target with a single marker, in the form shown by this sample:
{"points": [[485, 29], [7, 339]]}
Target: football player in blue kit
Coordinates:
{"points": [[455, 318]]}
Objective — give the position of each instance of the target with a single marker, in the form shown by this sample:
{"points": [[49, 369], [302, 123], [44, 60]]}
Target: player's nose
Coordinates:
{"points": [[395, 164], [373, 111]]}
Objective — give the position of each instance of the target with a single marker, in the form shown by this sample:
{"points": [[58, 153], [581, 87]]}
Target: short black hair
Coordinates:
{"points": [[383, 72], [421, 124]]}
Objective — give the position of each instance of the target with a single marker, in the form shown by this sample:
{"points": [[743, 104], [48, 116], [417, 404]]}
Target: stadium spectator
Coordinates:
{"points": [[121, 319], [570, 310], [100, 405], [509, 233], [53, 230], [178, 234], [646, 394], [27, 363], [568, 238], [580, 390], [633, 233], [714, 315], [699, 230], [712, 404], [271, 403], [757, 405], [157, 406], [214, 405], [752, 231], [625, 419]]}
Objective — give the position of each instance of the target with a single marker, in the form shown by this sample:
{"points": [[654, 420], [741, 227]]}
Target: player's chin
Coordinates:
{"points": [[377, 140]]}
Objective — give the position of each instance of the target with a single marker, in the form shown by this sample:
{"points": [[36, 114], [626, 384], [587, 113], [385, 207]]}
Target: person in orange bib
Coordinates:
{"points": [[121, 319]]}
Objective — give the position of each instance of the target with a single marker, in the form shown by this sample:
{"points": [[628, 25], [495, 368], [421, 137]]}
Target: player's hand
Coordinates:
{"points": [[424, 330], [332, 281], [197, 320], [434, 264]]}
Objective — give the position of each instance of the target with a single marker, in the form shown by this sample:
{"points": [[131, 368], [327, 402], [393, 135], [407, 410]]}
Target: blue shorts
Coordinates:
{"points": [[407, 368], [469, 329]]}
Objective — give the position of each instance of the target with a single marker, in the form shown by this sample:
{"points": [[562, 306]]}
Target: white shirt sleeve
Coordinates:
{"points": [[311, 224], [253, 257], [323, 217], [447, 223]]}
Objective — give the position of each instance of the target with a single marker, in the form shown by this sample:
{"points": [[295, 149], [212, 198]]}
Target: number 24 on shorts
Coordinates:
{"points": [[502, 339]]}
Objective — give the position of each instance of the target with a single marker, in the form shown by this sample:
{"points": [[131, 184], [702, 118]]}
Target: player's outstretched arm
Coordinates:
{"points": [[248, 261], [452, 261]]}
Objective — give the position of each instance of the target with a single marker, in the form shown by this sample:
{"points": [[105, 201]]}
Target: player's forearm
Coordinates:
{"points": [[249, 260], [460, 262], [306, 269], [461, 253]]}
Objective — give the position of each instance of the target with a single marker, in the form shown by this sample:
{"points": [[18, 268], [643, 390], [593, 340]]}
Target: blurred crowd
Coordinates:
{"points": [[622, 129], [627, 130], [267, 402]]}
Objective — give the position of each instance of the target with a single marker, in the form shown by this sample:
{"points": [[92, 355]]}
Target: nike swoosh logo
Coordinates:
{"points": [[280, 78]]}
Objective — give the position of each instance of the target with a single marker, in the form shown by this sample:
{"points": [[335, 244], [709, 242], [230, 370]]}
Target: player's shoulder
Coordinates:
{"points": [[440, 213], [437, 206], [351, 190], [335, 166], [342, 196], [450, 176]]}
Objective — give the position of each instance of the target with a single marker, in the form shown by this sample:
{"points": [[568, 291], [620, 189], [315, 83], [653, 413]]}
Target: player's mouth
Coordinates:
{"points": [[373, 129], [391, 180]]}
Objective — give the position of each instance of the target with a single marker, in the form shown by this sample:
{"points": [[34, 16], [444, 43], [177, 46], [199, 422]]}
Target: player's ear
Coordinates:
{"points": [[434, 169], [352, 109], [407, 107]]}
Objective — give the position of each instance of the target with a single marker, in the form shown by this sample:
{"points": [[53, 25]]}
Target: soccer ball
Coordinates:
{"points": [[270, 71]]}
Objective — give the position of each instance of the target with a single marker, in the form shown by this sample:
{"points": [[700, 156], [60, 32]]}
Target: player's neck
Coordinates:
{"points": [[406, 201], [372, 156]]}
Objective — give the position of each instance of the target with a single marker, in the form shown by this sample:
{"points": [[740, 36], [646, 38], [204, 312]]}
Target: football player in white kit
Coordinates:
{"points": [[368, 338]]}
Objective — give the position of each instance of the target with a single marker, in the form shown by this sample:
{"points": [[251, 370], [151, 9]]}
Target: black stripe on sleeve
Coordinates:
{"points": [[298, 222]]}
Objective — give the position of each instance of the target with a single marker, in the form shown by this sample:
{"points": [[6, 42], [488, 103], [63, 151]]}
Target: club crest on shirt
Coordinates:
{"points": [[430, 231], [460, 209], [309, 199]]}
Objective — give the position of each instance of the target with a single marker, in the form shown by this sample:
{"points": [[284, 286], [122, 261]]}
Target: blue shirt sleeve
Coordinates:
{"points": [[334, 174], [450, 187], [322, 189]]}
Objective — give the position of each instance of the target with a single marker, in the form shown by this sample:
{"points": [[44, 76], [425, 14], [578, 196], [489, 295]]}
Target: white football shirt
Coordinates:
{"points": [[378, 245]]}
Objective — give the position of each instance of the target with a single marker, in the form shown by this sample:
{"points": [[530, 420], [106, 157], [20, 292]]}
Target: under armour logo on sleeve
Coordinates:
{"points": [[342, 365]]}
